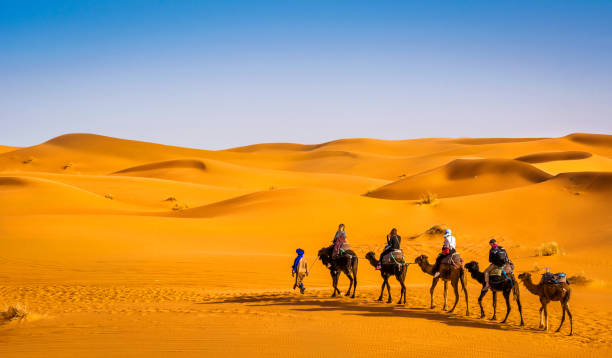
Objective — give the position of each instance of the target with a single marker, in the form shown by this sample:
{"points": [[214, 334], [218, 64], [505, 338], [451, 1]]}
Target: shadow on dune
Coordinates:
{"points": [[365, 309]]}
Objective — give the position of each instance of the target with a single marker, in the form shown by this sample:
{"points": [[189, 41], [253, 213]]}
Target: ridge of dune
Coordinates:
{"points": [[463, 177], [604, 140], [273, 147], [483, 141], [223, 174], [6, 148], [553, 156]]}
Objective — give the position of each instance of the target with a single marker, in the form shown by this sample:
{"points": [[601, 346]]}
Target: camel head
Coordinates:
{"points": [[525, 276], [420, 260], [324, 255], [370, 256], [472, 266]]}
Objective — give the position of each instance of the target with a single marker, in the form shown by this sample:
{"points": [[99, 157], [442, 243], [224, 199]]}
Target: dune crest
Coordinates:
{"points": [[604, 140]]}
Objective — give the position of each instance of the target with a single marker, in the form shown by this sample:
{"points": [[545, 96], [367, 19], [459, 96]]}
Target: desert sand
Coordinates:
{"points": [[113, 247]]}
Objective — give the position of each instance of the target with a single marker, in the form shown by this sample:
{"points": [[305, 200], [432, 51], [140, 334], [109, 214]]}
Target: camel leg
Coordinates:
{"points": [[463, 287], [389, 291], [494, 317], [517, 297], [354, 267], [336, 279], [402, 291], [482, 294], [334, 283], [382, 289], [431, 291], [508, 307], [546, 317], [541, 317], [570, 318], [350, 277], [562, 317], [445, 291], [456, 290]]}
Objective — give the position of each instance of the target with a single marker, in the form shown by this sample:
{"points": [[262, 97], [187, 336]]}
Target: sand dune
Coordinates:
{"points": [[109, 243], [463, 177]]}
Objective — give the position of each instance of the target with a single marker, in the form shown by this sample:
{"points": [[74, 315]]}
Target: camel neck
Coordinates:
{"points": [[373, 262], [426, 267], [531, 287]]}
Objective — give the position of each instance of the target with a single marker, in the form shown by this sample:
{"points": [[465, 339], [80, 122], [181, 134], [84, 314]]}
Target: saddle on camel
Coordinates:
{"points": [[392, 254]]}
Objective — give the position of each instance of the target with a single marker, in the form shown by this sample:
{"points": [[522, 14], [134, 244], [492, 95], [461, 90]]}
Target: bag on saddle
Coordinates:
{"points": [[453, 259], [496, 272], [393, 257], [500, 258], [554, 278]]}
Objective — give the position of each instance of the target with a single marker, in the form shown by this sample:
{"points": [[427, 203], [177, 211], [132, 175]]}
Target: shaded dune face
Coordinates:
{"points": [[12, 181], [553, 156], [181, 163], [586, 181], [604, 140], [464, 177]]}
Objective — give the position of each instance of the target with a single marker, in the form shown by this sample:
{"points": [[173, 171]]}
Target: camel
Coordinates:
{"points": [[346, 263], [505, 286], [386, 270], [450, 273], [550, 292]]}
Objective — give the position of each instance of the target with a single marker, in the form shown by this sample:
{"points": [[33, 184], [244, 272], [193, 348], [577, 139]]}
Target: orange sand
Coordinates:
{"points": [[124, 248]]}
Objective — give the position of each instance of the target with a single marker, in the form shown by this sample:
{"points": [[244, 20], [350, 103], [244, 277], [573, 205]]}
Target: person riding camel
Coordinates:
{"points": [[447, 249], [393, 243], [498, 257], [339, 241]]}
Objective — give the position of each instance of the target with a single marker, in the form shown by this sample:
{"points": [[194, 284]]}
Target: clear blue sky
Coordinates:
{"points": [[226, 73]]}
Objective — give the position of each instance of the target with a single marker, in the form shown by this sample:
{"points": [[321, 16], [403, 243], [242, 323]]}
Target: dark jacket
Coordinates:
{"points": [[394, 241], [498, 256]]}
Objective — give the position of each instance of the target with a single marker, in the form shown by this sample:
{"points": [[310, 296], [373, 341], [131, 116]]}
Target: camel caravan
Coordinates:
{"points": [[448, 267]]}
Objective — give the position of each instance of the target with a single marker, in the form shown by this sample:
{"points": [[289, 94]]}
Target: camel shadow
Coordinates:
{"points": [[366, 309]]}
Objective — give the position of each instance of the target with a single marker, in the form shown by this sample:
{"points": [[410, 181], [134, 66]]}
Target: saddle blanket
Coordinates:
{"points": [[453, 259], [395, 256]]}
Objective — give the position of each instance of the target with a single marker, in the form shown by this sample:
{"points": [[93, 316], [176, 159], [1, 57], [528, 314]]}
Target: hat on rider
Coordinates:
{"points": [[447, 232], [492, 241]]}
